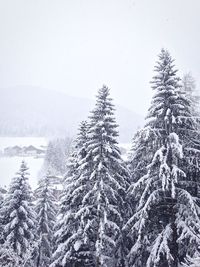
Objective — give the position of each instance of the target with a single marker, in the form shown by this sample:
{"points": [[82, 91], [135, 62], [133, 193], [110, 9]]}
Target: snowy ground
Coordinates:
{"points": [[10, 165]]}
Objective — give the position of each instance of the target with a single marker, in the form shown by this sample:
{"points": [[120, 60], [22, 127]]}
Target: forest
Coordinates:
{"points": [[111, 212]]}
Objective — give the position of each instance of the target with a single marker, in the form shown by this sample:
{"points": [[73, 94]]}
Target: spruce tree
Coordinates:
{"points": [[191, 262], [1, 198], [8, 258], [1, 218], [66, 235], [166, 214], [46, 216], [57, 151], [89, 232], [189, 87], [19, 218], [102, 211]]}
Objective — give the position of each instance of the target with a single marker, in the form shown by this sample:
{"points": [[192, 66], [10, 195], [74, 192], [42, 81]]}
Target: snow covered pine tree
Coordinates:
{"points": [[102, 211], [1, 219], [46, 217], [66, 235], [18, 220], [164, 228], [189, 87], [90, 232]]}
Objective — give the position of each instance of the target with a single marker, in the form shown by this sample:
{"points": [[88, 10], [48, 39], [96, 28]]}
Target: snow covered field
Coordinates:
{"points": [[10, 165]]}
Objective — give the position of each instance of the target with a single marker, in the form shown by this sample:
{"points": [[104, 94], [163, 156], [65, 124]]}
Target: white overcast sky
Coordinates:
{"points": [[75, 46]]}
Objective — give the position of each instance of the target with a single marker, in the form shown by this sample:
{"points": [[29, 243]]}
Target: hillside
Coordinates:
{"points": [[32, 111]]}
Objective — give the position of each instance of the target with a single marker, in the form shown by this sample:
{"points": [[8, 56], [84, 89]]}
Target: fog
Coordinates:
{"points": [[76, 46]]}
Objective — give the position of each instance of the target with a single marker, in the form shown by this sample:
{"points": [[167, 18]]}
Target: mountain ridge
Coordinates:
{"points": [[35, 111]]}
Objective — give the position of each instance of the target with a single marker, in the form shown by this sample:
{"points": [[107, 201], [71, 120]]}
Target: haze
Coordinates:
{"points": [[76, 46]]}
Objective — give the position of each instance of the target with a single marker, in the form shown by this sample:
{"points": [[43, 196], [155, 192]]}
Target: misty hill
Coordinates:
{"points": [[30, 111]]}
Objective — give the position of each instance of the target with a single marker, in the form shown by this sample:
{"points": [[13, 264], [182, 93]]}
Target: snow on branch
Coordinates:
{"points": [[161, 247]]}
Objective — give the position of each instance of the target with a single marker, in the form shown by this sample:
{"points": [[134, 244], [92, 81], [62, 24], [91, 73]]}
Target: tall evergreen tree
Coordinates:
{"points": [[55, 157], [1, 199], [102, 210], [166, 218], [89, 231], [1, 218], [46, 216], [19, 217], [8, 258], [189, 87], [66, 235]]}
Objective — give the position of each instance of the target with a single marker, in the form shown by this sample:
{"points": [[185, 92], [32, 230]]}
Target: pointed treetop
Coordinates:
{"points": [[102, 119], [23, 166], [103, 101], [169, 104]]}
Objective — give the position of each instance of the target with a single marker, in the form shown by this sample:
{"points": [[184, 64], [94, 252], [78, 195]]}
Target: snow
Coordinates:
{"points": [[77, 245], [125, 150], [10, 165]]}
